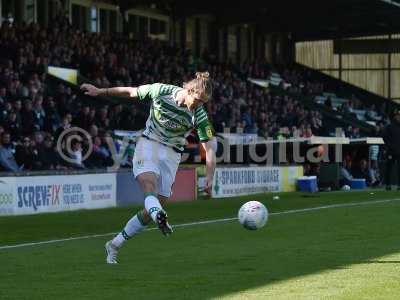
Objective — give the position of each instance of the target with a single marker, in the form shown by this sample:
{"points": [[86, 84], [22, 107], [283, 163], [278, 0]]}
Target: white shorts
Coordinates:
{"points": [[152, 156]]}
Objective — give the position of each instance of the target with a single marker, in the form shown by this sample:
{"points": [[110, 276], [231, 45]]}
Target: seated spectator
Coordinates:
{"points": [[362, 171], [92, 116], [3, 96], [6, 111], [66, 124], [13, 125], [52, 120], [247, 119], [345, 173], [28, 118], [83, 119], [355, 134], [39, 112], [116, 116], [307, 133], [7, 160], [94, 131], [100, 156], [102, 120], [107, 142], [76, 155], [48, 156], [26, 155]]}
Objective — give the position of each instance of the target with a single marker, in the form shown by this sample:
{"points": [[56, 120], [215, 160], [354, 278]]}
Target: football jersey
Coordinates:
{"points": [[169, 123]]}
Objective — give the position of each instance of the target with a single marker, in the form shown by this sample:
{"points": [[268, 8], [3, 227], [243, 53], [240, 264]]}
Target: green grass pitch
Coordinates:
{"points": [[342, 252]]}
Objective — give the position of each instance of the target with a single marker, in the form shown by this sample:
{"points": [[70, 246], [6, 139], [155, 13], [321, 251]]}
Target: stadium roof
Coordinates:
{"points": [[309, 19]]}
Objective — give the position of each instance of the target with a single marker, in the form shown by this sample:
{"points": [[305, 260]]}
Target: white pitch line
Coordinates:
{"points": [[201, 223]]}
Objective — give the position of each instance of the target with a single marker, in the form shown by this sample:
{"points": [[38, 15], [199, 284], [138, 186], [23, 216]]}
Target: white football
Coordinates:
{"points": [[253, 215]]}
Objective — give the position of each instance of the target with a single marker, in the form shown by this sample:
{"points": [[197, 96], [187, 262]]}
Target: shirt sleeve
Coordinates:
{"points": [[153, 91], [203, 126]]}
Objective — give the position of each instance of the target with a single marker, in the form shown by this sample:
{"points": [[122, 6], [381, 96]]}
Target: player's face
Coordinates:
{"points": [[194, 100]]}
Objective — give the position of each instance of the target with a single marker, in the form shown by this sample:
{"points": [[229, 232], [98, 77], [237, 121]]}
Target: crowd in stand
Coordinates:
{"points": [[303, 81], [34, 114]]}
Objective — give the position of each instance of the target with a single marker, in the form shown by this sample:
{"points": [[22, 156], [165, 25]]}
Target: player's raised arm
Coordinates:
{"points": [[127, 92]]}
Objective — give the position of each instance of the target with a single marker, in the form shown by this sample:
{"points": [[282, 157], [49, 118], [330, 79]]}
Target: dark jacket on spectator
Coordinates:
{"points": [[49, 158], [28, 122], [391, 136], [27, 158]]}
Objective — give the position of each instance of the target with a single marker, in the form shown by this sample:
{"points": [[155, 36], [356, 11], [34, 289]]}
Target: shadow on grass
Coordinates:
{"points": [[382, 262], [208, 261], [290, 247]]}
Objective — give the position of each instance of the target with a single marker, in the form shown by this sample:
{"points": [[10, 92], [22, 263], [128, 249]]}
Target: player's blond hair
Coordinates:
{"points": [[202, 84]]}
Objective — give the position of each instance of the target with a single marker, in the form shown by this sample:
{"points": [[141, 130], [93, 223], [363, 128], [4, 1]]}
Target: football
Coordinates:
{"points": [[253, 215]]}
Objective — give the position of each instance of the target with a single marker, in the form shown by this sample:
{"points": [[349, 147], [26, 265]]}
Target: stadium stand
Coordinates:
{"points": [[34, 107]]}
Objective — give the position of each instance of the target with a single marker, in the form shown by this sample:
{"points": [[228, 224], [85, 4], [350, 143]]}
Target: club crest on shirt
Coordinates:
{"points": [[173, 125], [168, 123], [139, 164], [209, 132]]}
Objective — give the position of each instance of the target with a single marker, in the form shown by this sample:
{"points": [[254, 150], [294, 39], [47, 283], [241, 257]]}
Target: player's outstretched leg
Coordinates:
{"points": [[162, 223], [157, 213], [134, 226], [111, 253]]}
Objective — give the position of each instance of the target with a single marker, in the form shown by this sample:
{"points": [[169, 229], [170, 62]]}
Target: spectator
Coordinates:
{"points": [[94, 131], [100, 154], [13, 125], [38, 139], [345, 173], [362, 171], [52, 120], [355, 134], [83, 119], [39, 111], [6, 112], [246, 119], [76, 155], [29, 124], [102, 120], [307, 133], [392, 143], [3, 96], [92, 116], [26, 155], [116, 116], [66, 124], [48, 156], [17, 107], [7, 160]]}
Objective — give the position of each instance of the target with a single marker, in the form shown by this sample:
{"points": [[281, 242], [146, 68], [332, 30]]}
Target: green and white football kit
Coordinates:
{"points": [[168, 125]]}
